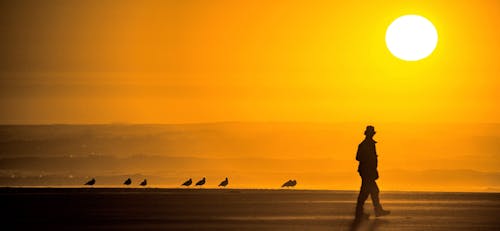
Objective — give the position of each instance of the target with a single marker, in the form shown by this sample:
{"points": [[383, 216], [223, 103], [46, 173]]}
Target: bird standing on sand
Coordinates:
{"points": [[91, 182], [144, 182], [224, 183], [201, 182], [290, 183], [128, 182], [188, 182]]}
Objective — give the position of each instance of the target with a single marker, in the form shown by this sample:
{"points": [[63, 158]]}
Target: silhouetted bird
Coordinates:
{"points": [[128, 182], [201, 182], [144, 182], [289, 183], [286, 184], [90, 182], [224, 183], [188, 182]]}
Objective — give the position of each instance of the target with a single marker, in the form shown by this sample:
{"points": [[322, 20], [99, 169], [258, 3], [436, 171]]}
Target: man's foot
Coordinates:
{"points": [[381, 212]]}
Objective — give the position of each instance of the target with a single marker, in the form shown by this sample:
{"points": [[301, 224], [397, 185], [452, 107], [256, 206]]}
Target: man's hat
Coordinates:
{"points": [[370, 130]]}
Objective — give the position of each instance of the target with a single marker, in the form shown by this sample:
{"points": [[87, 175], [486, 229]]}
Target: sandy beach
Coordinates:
{"points": [[234, 209]]}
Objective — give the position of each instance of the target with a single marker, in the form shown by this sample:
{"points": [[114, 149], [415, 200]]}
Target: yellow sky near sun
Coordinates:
{"points": [[193, 61]]}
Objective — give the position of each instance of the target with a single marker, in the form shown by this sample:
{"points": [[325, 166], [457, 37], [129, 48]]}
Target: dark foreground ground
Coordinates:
{"points": [[228, 209]]}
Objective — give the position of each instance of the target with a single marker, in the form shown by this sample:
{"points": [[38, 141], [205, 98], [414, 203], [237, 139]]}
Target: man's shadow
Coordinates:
{"points": [[368, 225]]}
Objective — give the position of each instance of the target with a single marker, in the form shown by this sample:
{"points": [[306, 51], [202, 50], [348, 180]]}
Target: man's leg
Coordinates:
{"points": [[374, 192], [363, 195]]}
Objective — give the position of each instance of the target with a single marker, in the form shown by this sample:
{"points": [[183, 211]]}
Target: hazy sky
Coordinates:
{"points": [[190, 61]]}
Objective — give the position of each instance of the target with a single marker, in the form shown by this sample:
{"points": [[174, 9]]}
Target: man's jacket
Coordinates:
{"points": [[367, 157]]}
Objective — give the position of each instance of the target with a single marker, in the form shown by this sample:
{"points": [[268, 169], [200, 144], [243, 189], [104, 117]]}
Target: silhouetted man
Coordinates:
{"points": [[367, 157]]}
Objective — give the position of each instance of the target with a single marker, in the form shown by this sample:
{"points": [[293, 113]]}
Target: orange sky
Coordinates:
{"points": [[193, 61]]}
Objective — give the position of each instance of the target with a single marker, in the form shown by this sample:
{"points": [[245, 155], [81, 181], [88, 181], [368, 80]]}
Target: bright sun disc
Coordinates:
{"points": [[411, 37]]}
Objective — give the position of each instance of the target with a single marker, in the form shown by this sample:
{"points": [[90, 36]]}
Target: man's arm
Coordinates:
{"points": [[359, 153]]}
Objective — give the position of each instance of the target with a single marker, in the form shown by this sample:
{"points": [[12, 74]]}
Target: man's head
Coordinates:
{"points": [[370, 131]]}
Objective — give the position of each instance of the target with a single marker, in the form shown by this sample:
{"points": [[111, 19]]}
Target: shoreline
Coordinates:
{"points": [[192, 189]]}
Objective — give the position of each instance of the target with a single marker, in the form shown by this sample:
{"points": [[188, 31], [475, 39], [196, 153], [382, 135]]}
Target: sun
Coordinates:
{"points": [[411, 37]]}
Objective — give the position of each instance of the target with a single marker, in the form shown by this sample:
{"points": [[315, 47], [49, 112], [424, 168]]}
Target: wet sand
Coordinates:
{"points": [[233, 209]]}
